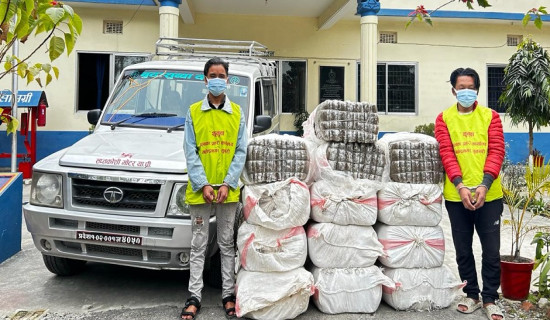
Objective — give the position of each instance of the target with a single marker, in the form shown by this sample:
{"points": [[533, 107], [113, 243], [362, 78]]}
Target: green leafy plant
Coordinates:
{"points": [[527, 87], [427, 129], [518, 198], [299, 119], [58, 22], [10, 121], [542, 262]]}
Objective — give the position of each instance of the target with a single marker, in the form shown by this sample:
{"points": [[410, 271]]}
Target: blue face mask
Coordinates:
{"points": [[216, 86], [466, 97]]}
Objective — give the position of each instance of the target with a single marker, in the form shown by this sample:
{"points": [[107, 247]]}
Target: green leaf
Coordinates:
{"points": [[429, 21], [48, 79], [39, 82], [30, 78], [55, 14], [56, 72], [7, 65], [538, 22], [22, 69], [11, 9], [69, 41], [526, 19], [57, 46], [46, 67], [30, 5], [68, 9], [469, 5], [77, 23]]}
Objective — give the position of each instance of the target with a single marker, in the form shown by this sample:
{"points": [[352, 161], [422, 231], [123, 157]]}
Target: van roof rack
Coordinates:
{"points": [[209, 47]]}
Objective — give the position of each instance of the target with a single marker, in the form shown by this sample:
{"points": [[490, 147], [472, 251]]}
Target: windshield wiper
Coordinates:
{"points": [[170, 129], [146, 115]]}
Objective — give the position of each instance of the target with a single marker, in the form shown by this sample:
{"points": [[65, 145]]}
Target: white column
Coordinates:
{"points": [[369, 57], [169, 21]]}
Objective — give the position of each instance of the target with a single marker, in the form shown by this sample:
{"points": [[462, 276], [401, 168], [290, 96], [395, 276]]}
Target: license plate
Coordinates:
{"points": [[108, 237]]}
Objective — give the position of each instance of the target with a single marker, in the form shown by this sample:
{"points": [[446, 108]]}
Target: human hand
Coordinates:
{"points": [[466, 197], [481, 192], [208, 193], [222, 194]]}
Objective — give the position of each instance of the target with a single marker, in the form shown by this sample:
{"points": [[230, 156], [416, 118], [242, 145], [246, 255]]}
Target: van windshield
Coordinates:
{"points": [[162, 97]]}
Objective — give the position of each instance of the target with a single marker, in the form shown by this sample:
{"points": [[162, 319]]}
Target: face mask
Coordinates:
{"points": [[466, 97], [216, 86]]}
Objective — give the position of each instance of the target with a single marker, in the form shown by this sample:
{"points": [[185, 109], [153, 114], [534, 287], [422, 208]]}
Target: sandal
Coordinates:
{"points": [[470, 304], [492, 310], [192, 301], [228, 311]]}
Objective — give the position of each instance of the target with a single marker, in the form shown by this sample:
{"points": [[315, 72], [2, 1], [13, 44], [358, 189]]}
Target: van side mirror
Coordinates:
{"points": [[261, 123], [93, 116]]}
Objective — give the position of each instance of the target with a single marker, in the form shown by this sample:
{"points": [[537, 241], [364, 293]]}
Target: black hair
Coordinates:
{"points": [[215, 61], [465, 72]]}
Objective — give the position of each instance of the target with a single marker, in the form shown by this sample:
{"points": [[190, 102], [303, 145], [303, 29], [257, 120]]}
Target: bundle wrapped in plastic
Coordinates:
{"points": [[421, 289], [410, 246], [273, 295], [405, 204], [265, 250], [334, 246], [339, 290], [346, 121], [336, 161], [344, 202], [274, 157], [412, 158], [277, 205]]}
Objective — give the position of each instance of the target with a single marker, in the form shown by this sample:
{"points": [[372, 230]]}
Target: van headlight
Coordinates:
{"points": [[47, 190], [177, 208]]}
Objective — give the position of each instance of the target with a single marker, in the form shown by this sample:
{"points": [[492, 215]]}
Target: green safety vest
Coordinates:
{"points": [[470, 138], [216, 133]]}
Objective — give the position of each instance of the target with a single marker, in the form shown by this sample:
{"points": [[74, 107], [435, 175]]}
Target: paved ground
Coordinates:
{"points": [[114, 292]]}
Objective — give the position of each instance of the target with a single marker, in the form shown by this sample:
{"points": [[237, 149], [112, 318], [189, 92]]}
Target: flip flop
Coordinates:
{"points": [[492, 310], [192, 301], [470, 304], [228, 311]]}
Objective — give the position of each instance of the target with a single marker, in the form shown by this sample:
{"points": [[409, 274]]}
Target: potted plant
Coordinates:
{"points": [[542, 262], [519, 196]]}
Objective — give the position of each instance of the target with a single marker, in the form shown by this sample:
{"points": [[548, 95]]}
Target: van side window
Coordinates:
{"points": [[257, 99], [268, 87]]}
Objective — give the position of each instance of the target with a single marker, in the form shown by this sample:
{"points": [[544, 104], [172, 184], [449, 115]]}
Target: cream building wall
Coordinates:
{"points": [[436, 51]]}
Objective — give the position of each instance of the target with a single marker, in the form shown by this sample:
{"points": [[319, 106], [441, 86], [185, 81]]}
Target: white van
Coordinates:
{"points": [[118, 195]]}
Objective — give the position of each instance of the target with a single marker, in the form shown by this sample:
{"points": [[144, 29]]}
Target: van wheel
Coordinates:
{"points": [[213, 275], [63, 266]]}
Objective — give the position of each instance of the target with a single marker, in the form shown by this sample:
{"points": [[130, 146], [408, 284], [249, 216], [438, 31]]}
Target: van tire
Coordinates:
{"points": [[213, 274], [63, 266]]}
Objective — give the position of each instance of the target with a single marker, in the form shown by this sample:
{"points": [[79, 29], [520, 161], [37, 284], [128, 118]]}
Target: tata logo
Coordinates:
{"points": [[113, 195]]}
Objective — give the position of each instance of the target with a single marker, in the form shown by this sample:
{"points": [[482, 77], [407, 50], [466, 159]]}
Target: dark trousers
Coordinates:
{"points": [[486, 222]]}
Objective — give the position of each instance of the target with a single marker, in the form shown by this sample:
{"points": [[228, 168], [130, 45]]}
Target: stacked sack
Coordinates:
{"points": [[409, 212], [272, 244], [342, 243]]}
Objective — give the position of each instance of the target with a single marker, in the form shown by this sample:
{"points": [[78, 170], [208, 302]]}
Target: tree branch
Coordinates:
{"points": [[441, 6], [2, 75]]}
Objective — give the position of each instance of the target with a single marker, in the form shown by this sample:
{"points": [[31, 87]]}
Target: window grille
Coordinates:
{"points": [[495, 86], [112, 27], [512, 40], [388, 37]]}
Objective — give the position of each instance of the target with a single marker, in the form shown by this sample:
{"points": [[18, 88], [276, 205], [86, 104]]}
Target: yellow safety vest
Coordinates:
{"points": [[216, 133], [469, 135]]}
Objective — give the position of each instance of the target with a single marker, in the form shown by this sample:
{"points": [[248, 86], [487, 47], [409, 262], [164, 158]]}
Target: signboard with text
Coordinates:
{"points": [[331, 84]]}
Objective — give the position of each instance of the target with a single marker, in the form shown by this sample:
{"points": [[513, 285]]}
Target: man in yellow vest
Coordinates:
{"points": [[215, 149], [471, 142]]}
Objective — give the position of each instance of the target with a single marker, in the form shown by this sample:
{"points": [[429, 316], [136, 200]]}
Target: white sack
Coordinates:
{"points": [[334, 246], [266, 250], [344, 203], [411, 247], [421, 289], [278, 205], [339, 290], [404, 204], [273, 295]]}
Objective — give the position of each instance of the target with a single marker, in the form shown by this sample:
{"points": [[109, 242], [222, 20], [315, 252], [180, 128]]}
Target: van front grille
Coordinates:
{"points": [[115, 195]]}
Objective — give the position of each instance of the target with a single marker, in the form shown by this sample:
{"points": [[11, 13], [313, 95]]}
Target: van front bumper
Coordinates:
{"points": [[153, 243]]}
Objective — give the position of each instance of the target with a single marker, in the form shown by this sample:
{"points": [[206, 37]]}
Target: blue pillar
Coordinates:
{"points": [[368, 7], [170, 3]]}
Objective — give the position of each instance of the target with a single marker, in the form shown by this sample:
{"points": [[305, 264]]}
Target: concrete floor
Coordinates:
{"points": [[115, 292]]}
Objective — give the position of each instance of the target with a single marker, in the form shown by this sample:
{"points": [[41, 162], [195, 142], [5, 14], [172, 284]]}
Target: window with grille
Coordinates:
{"points": [[513, 40], [396, 88], [388, 37], [495, 86], [293, 85], [112, 27]]}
